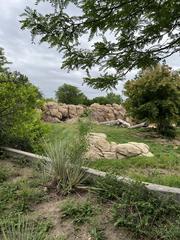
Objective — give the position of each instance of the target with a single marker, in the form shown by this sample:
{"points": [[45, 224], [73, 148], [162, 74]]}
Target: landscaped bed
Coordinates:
{"points": [[163, 168], [23, 191], [98, 210]]}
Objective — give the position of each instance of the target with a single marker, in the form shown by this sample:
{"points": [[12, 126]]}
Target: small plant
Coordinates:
{"points": [[18, 197], [24, 229], [79, 212], [97, 234], [108, 188], [66, 158], [3, 174]]}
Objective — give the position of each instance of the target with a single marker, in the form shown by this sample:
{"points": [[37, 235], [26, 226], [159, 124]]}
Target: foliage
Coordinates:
{"points": [[18, 197], [97, 234], [79, 212], [155, 96], [139, 210], [110, 98], [24, 229], [3, 61], [108, 188], [20, 124], [67, 156], [70, 95], [131, 34], [3, 174]]}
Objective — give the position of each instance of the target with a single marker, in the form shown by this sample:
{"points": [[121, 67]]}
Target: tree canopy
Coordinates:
{"points": [[154, 96], [70, 95], [131, 34]]}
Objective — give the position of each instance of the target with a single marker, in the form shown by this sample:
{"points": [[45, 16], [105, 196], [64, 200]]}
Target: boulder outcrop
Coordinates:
{"points": [[99, 147], [54, 112]]}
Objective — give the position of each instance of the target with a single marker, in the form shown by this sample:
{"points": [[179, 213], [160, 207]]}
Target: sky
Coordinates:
{"points": [[39, 62]]}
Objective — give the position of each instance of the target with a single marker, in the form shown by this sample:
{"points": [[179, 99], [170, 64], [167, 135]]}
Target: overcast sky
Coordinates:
{"points": [[40, 63]]}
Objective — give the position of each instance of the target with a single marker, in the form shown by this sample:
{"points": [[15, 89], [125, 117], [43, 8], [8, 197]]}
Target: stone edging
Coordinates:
{"points": [[96, 173]]}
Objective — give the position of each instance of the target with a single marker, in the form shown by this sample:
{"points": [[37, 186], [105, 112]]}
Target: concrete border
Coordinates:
{"points": [[96, 173]]}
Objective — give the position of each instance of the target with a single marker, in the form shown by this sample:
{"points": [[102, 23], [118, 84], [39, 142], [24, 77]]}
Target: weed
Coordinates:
{"points": [[97, 234], [108, 188], [78, 212], [18, 197], [4, 174], [24, 229], [140, 210]]}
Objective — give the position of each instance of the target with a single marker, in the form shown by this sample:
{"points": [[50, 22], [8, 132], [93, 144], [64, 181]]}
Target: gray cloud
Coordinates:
{"points": [[39, 62]]}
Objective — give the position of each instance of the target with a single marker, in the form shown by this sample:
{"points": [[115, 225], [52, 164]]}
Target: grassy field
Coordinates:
{"points": [[163, 168]]}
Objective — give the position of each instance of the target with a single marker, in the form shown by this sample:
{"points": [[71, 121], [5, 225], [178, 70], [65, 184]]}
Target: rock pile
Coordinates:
{"points": [[99, 148], [54, 112]]}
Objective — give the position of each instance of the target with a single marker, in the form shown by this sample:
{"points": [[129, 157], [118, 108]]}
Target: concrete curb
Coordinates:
{"points": [[96, 173]]}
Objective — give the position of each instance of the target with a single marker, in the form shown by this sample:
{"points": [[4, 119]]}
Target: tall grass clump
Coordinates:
{"points": [[65, 159], [23, 229]]}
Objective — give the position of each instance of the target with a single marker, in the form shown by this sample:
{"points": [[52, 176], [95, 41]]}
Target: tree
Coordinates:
{"points": [[110, 98], [20, 124], [114, 98], [70, 95], [132, 34], [154, 95], [3, 61]]}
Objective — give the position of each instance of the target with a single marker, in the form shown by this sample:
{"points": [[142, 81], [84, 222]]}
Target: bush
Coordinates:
{"points": [[20, 124], [154, 96]]}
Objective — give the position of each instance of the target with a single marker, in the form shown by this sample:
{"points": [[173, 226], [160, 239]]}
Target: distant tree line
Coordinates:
{"points": [[69, 94]]}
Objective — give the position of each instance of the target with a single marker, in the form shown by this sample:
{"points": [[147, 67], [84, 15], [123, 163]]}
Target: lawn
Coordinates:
{"points": [[163, 168]]}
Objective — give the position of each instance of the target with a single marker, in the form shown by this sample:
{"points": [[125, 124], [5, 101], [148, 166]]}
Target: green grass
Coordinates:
{"points": [[79, 212], [163, 168]]}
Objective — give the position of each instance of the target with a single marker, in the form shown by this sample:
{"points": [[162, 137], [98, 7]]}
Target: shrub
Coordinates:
{"points": [[20, 124], [154, 96], [66, 158], [79, 212]]}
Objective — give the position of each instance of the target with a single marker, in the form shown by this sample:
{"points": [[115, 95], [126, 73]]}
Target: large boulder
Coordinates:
{"points": [[99, 113], [99, 147]]}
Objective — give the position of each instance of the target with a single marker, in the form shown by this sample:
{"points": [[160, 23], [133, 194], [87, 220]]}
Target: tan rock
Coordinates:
{"points": [[128, 150], [99, 147], [109, 155], [99, 113]]}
